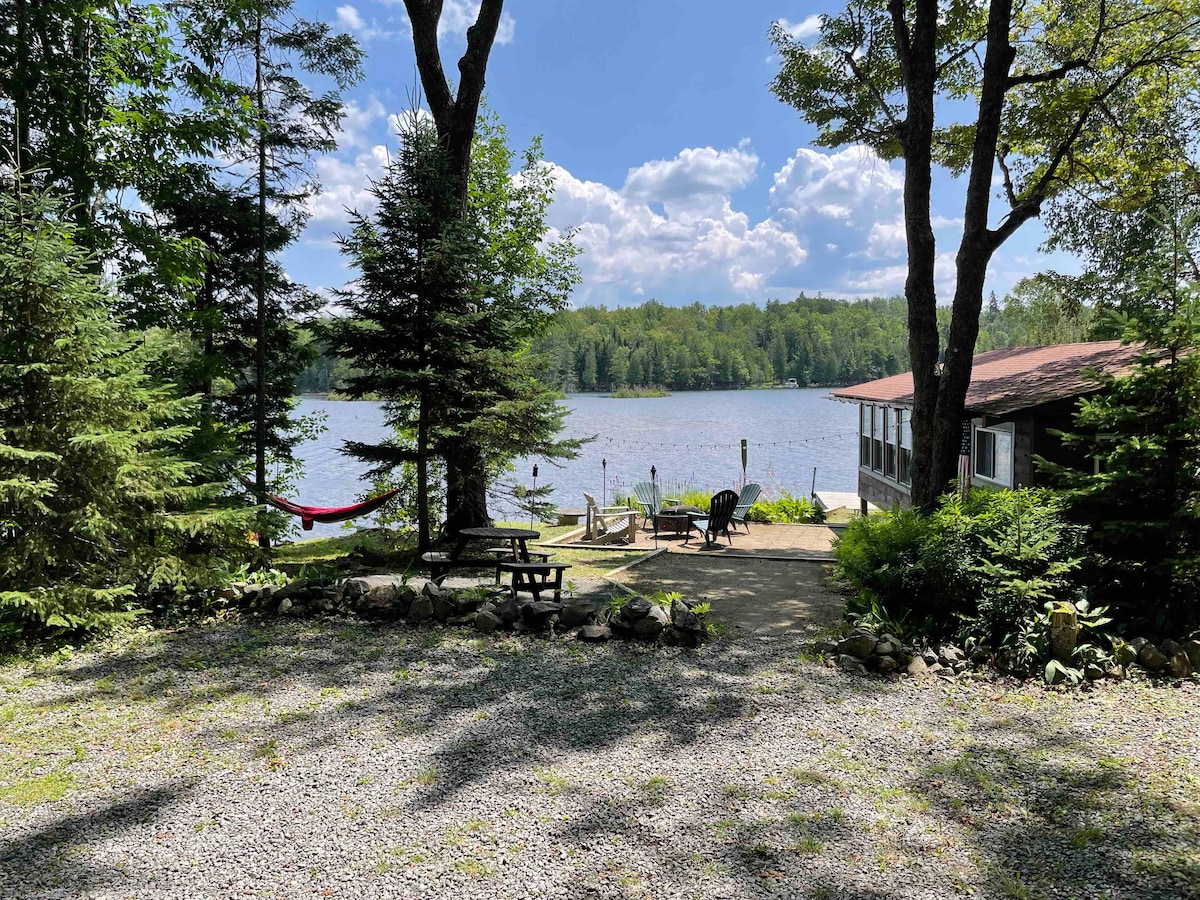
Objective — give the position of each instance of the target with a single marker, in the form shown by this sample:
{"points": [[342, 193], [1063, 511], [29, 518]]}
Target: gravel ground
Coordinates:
{"points": [[345, 760]]}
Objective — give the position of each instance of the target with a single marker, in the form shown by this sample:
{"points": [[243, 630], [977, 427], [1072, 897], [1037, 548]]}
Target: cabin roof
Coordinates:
{"points": [[1015, 378]]}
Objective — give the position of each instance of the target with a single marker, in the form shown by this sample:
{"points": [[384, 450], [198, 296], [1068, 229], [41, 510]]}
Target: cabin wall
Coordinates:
{"points": [[883, 493]]}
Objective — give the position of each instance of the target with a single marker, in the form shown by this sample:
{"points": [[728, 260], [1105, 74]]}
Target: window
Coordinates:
{"points": [[864, 452], [877, 415], [890, 422], [904, 475], [993, 458]]}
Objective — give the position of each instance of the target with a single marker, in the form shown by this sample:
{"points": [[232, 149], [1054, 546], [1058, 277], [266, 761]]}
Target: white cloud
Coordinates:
{"points": [[346, 186], [698, 240], [889, 280], [349, 18], [352, 21], [798, 31], [697, 177], [853, 186], [357, 122], [459, 15]]}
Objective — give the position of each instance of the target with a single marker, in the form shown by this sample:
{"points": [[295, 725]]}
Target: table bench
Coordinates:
{"points": [[535, 577], [440, 564], [505, 554]]}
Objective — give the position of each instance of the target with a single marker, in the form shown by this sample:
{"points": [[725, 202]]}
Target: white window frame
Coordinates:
{"points": [[1006, 430]]}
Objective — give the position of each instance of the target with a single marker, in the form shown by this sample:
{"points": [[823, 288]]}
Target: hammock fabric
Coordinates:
{"points": [[325, 514]]}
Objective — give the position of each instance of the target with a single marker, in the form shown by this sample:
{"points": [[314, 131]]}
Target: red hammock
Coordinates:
{"points": [[324, 514]]}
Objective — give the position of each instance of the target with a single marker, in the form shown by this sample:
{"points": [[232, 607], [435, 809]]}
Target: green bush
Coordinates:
{"points": [[786, 509], [981, 567]]}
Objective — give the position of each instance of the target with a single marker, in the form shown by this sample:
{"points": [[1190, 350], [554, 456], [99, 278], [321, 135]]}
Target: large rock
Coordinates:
{"points": [[1192, 649], [421, 610], [851, 664], [887, 647], [948, 655], [652, 624], [576, 613], [636, 608], [887, 665], [1151, 657], [487, 622], [540, 610], [594, 633], [285, 606], [510, 610], [684, 619], [859, 644], [1125, 654], [444, 607], [1178, 664], [918, 668]]}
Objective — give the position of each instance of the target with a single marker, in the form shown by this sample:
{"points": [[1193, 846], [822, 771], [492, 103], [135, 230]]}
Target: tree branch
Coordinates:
{"points": [[424, 16], [903, 43]]}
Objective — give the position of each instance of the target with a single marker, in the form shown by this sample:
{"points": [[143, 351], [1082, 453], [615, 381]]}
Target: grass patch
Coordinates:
{"points": [[34, 791]]}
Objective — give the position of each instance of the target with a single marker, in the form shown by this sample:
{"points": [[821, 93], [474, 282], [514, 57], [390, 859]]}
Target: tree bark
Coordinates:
{"points": [[918, 59], [939, 399], [260, 292], [454, 118]]}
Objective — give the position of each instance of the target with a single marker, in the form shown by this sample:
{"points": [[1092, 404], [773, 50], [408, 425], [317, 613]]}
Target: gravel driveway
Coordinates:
{"points": [[344, 760]]}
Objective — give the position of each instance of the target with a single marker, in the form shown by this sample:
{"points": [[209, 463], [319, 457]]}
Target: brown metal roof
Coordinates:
{"points": [[1003, 381]]}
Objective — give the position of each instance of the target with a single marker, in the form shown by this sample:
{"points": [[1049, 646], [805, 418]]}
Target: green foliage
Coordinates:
{"points": [[1142, 430], [444, 307], [786, 509], [980, 565], [96, 506]]}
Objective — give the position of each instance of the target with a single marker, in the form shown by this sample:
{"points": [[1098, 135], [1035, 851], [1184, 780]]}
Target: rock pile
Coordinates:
{"points": [[862, 651], [487, 609]]}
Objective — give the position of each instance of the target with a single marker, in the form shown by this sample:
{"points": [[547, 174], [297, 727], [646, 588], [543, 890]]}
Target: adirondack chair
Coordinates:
{"points": [[746, 499], [720, 512], [609, 524], [649, 498]]}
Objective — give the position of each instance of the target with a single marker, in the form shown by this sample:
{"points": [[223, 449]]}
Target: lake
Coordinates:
{"points": [[692, 438]]}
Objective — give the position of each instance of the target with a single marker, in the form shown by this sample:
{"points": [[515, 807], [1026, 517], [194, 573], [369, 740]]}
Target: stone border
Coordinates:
{"points": [[486, 608]]}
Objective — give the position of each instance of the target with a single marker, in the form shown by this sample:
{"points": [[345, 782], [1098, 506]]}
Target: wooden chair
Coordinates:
{"points": [[720, 514], [746, 500], [609, 524]]}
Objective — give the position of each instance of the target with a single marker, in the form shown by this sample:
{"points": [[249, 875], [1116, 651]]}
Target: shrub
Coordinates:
{"points": [[786, 509], [982, 566]]}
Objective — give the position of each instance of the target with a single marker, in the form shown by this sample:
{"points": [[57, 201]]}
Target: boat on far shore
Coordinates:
{"points": [[791, 383]]}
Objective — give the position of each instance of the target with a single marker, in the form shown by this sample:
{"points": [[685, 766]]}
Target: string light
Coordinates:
{"points": [[675, 445]]}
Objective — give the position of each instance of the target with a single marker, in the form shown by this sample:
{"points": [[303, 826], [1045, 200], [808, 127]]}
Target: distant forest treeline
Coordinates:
{"points": [[815, 340]]}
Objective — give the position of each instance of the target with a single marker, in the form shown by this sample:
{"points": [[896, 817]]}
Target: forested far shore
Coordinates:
{"points": [[821, 342]]}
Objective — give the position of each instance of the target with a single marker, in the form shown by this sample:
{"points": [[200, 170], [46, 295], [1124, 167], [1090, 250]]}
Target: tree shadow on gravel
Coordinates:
{"points": [[57, 851], [1051, 815]]}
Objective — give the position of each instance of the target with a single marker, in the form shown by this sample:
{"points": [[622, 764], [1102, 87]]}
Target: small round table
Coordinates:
{"points": [[675, 520]]}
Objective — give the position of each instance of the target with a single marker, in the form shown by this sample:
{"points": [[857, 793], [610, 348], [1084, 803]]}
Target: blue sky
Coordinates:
{"points": [[687, 179]]}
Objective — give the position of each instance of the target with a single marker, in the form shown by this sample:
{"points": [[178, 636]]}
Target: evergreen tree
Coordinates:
{"points": [[94, 498], [443, 309], [1143, 431]]}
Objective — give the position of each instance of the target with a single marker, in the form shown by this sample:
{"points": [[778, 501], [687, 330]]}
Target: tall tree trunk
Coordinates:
{"points": [[21, 93], [260, 291], [422, 479], [918, 57], [454, 117], [940, 399]]}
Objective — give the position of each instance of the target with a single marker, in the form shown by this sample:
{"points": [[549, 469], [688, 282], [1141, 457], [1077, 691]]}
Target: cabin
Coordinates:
{"points": [[1017, 397]]}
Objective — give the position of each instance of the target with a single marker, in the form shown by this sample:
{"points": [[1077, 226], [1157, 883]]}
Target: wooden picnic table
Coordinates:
{"points": [[440, 564]]}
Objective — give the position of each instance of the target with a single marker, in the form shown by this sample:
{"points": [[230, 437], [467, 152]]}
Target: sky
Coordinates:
{"points": [[686, 178]]}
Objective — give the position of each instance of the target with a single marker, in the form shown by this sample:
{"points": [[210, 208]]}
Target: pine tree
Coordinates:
{"points": [[92, 492], [441, 315], [1143, 431]]}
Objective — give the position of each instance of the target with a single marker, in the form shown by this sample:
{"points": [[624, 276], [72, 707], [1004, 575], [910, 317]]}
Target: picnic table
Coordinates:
{"points": [[517, 550]]}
